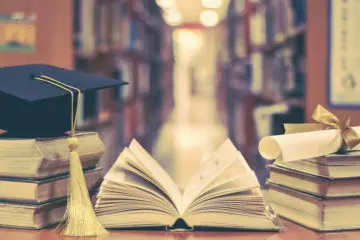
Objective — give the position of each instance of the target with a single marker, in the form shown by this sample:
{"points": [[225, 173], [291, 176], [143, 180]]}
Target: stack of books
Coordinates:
{"points": [[34, 178], [322, 193]]}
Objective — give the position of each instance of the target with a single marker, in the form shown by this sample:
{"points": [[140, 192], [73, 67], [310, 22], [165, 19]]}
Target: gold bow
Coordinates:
{"points": [[327, 120]]}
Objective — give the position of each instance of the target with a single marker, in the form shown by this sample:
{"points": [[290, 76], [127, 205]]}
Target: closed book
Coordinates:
{"points": [[133, 35], [38, 158], [116, 31], [118, 74], [299, 11], [144, 78], [41, 191], [239, 7], [240, 45], [126, 66], [257, 78], [88, 36], [33, 216], [269, 23], [125, 29], [319, 214], [103, 25], [257, 28], [334, 166], [315, 185], [77, 24]]}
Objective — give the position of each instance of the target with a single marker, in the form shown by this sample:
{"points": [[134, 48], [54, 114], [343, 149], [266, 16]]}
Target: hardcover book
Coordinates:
{"points": [[313, 212], [38, 158], [334, 166], [315, 185], [45, 190]]}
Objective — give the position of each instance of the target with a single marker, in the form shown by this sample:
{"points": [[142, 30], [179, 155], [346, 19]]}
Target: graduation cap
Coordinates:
{"points": [[32, 108], [40, 100]]}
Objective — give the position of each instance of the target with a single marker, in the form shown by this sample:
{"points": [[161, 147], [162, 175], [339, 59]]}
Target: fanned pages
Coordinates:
{"points": [[223, 193], [290, 147]]}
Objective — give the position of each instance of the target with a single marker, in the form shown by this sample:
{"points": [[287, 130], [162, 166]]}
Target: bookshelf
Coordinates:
{"points": [[262, 64], [126, 40]]}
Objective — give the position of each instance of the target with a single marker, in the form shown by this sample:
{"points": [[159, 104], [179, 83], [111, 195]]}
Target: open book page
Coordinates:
{"points": [[224, 166], [129, 191], [300, 146], [223, 193], [159, 175]]}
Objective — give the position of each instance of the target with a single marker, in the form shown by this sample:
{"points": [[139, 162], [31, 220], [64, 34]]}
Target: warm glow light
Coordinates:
{"points": [[188, 38], [209, 18], [173, 17], [212, 3], [166, 4]]}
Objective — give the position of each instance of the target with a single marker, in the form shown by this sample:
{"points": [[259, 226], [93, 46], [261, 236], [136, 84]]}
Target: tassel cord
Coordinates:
{"points": [[79, 218]]}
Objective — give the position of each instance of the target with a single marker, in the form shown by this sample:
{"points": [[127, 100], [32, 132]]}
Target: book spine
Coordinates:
{"points": [[80, 119], [77, 25], [269, 24], [116, 10], [87, 33], [118, 74], [133, 36], [299, 11], [18, 191]]}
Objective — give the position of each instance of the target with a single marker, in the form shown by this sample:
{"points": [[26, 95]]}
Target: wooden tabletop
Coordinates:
{"points": [[293, 232]]}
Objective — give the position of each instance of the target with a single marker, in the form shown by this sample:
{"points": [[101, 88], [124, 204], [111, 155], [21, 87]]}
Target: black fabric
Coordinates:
{"points": [[32, 108]]}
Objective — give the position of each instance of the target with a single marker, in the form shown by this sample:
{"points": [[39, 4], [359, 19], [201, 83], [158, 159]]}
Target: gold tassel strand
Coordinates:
{"points": [[79, 218]]}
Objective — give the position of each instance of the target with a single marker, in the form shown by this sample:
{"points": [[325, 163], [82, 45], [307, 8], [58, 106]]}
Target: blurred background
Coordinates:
{"points": [[199, 71]]}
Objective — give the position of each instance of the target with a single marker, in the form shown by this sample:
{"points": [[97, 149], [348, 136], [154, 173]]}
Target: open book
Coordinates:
{"points": [[223, 193]]}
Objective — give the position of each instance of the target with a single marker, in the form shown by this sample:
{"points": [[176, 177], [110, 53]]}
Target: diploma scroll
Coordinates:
{"points": [[304, 145]]}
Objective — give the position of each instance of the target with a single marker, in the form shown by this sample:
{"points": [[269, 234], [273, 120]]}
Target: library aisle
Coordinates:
{"points": [[194, 128], [182, 145]]}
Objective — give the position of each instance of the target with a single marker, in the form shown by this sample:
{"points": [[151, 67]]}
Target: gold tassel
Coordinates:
{"points": [[79, 218]]}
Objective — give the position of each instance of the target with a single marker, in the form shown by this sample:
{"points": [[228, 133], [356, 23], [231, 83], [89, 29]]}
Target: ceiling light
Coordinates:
{"points": [[212, 3], [173, 18], [166, 3], [209, 18]]}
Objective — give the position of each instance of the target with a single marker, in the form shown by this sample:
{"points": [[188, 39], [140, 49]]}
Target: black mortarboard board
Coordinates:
{"points": [[33, 108]]}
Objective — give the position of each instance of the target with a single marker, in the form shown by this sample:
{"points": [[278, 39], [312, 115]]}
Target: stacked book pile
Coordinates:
{"points": [[315, 180], [34, 178], [318, 192]]}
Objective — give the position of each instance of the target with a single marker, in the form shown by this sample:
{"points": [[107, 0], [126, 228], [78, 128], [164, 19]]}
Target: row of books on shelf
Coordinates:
{"points": [[276, 77], [273, 20], [108, 26], [264, 23], [281, 74], [103, 101]]}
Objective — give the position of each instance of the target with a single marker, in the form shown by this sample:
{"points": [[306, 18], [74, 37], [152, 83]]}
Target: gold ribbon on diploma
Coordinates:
{"points": [[327, 120]]}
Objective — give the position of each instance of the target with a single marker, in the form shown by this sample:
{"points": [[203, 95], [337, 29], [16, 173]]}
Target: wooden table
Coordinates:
{"points": [[294, 232]]}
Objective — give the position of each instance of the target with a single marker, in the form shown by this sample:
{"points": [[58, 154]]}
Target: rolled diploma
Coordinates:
{"points": [[300, 146]]}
